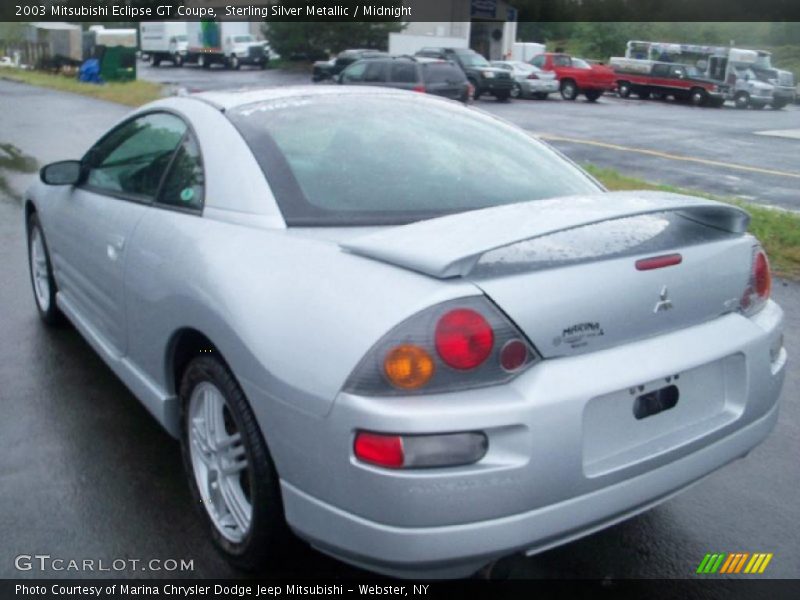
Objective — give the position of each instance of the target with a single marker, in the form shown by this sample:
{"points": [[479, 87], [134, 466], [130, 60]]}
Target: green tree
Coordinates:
{"points": [[314, 39]]}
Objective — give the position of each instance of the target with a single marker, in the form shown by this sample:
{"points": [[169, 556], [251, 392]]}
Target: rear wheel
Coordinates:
{"points": [[230, 471], [234, 62], [41, 272], [569, 91], [698, 97], [516, 91], [742, 100], [177, 60], [779, 104], [154, 60], [593, 95], [624, 89]]}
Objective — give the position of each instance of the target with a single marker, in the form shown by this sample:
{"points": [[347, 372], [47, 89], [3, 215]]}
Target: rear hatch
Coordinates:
{"points": [[444, 79], [568, 271]]}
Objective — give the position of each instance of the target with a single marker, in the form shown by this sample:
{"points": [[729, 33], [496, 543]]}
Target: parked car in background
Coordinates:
{"points": [[529, 81], [577, 76], [418, 74], [485, 78], [682, 82], [328, 69]]}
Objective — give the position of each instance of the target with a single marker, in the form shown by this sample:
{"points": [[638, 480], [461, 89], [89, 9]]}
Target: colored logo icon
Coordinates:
{"points": [[734, 563]]}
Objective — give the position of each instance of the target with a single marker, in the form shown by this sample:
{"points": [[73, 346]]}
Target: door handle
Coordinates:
{"points": [[116, 243]]}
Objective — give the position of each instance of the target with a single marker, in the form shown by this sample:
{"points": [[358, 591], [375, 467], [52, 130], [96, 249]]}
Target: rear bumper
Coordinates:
{"points": [[461, 550], [539, 86], [565, 458]]}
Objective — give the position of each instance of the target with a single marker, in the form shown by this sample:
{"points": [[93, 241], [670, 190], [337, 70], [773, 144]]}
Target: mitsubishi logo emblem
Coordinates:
{"points": [[664, 303]]}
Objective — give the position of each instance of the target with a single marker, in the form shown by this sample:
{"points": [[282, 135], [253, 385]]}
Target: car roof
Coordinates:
{"points": [[229, 99]]}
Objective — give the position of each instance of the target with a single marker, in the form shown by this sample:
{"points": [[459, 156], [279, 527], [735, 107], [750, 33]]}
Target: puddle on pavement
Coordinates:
{"points": [[13, 160]]}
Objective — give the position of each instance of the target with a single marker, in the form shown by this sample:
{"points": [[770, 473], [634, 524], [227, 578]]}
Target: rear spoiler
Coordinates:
{"points": [[450, 246]]}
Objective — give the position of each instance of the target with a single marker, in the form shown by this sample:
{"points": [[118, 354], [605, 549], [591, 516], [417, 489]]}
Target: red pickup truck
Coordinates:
{"points": [[669, 79], [576, 76]]}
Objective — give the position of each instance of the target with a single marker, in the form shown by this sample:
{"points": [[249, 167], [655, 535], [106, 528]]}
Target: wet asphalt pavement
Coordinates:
{"points": [[86, 473]]}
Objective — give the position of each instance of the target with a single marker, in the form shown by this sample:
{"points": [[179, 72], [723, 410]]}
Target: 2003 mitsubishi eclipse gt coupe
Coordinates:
{"points": [[407, 329]]}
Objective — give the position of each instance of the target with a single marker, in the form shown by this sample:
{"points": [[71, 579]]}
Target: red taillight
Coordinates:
{"points": [[418, 88], [463, 339], [658, 262], [383, 450], [513, 355], [762, 278], [533, 76]]}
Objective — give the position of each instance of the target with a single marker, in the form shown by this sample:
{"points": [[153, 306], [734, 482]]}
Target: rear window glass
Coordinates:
{"points": [[443, 73], [403, 72], [358, 159]]}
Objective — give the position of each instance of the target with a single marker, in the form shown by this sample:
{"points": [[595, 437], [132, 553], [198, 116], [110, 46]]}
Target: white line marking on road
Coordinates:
{"points": [[792, 134]]}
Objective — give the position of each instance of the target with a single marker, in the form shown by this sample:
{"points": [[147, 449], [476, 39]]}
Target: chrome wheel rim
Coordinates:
{"points": [[219, 462], [516, 91], [39, 274]]}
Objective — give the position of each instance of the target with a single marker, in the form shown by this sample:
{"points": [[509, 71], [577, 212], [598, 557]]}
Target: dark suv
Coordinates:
{"points": [[419, 74], [484, 77], [328, 69]]}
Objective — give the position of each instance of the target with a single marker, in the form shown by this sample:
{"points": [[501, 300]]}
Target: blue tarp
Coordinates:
{"points": [[90, 71]]}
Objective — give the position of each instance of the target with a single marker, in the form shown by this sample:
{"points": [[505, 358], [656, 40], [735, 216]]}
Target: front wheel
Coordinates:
{"points": [[234, 62], [593, 95], [516, 91], [569, 91], [41, 272], [230, 471], [624, 89], [177, 60], [742, 100], [698, 97]]}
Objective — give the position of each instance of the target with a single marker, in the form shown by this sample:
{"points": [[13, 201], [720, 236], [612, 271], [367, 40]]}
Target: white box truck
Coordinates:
{"points": [[164, 40], [228, 43], [525, 51]]}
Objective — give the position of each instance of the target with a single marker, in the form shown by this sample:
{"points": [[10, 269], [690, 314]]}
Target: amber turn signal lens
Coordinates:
{"points": [[408, 367]]}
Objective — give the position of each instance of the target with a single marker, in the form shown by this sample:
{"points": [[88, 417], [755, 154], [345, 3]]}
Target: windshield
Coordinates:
{"points": [[472, 59], [336, 159], [239, 39]]}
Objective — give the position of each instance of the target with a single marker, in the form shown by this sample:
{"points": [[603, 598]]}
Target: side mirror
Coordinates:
{"points": [[65, 172]]}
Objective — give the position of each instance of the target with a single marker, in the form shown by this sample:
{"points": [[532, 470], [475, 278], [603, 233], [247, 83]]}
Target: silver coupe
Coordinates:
{"points": [[403, 329]]}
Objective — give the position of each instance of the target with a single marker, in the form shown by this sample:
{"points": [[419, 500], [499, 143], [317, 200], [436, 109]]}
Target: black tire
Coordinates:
{"points": [[234, 62], [624, 89], [742, 100], [154, 60], [51, 315], [478, 92], [698, 97], [177, 60], [779, 104], [268, 535], [516, 91], [593, 95], [503, 96], [203, 62], [569, 90]]}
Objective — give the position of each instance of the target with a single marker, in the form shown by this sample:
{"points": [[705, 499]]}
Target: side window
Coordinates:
{"points": [[403, 72], [184, 184], [376, 71], [538, 61], [660, 70], [354, 72], [562, 61], [678, 72], [132, 158]]}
